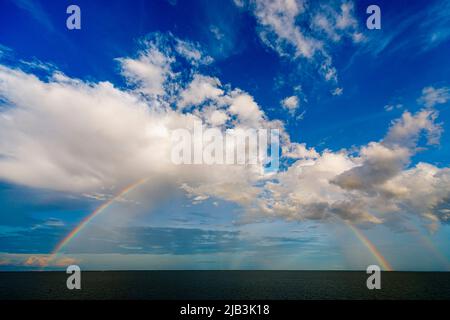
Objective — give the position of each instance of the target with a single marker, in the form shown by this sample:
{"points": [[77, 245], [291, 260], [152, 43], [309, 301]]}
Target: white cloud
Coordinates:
{"points": [[336, 22], [244, 106], [218, 118], [280, 29], [149, 71], [345, 19], [299, 151], [382, 161], [199, 90], [291, 104], [278, 17], [91, 137], [219, 35], [192, 52], [432, 96], [405, 131], [337, 92], [81, 136], [391, 107], [378, 164], [70, 135], [361, 188]]}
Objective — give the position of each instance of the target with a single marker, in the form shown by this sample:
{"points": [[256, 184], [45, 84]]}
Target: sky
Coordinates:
{"points": [[86, 117]]}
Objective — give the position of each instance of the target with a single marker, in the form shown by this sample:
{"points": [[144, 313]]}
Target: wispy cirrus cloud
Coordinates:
{"points": [[35, 9], [305, 31], [430, 24]]}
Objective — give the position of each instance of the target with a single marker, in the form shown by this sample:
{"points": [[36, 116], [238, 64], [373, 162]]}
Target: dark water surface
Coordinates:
{"points": [[225, 285]]}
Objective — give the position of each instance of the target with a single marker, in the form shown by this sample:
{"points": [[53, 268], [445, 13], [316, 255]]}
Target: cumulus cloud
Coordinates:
{"points": [[291, 104], [366, 187], [71, 135], [382, 161], [148, 71], [379, 164], [299, 151], [246, 109], [199, 90], [406, 130]]}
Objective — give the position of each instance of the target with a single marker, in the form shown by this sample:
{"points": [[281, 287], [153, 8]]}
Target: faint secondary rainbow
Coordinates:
{"points": [[95, 213], [428, 244], [372, 248]]}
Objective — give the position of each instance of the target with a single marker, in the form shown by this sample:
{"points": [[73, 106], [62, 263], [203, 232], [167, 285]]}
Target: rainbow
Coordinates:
{"points": [[367, 243], [371, 247], [428, 244], [95, 213]]}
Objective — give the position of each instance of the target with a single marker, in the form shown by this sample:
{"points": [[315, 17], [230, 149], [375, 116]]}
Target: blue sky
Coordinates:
{"points": [[365, 112]]}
